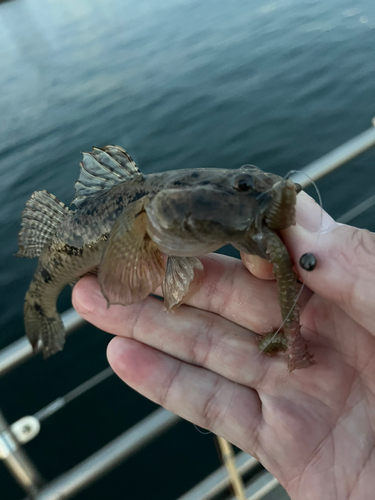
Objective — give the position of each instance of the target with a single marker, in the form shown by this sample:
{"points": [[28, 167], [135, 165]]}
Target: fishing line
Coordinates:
{"points": [[202, 431], [303, 284], [291, 172]]}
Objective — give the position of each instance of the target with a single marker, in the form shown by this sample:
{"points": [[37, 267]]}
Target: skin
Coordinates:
{"points": [[313, 429]]}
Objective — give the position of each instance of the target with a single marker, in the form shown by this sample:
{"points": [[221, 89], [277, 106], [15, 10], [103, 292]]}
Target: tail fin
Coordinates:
{"points": [[40, 219], [47, 328]]}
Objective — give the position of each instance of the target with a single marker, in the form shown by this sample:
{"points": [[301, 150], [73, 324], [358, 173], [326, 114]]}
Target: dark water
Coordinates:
{"points": [[179, 84]]}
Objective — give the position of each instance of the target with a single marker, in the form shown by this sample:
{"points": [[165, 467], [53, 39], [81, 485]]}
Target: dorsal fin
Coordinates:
{"points": [[42, 215], [102, 169]]}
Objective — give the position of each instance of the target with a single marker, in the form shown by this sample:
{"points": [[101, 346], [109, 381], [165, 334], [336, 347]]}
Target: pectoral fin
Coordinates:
{"points": [[178, 276], [132, 266]]}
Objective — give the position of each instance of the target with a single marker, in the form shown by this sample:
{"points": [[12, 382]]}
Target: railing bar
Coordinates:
{"points": [[337, 157], [271, 485], [17, 461], [89, 384], [21, 350], [60, 402], [108, 457], [358, 210], [50, 409], [218, 480]]}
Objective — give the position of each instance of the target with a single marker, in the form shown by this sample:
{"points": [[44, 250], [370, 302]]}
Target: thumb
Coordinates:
{"points": [[345, 270]]}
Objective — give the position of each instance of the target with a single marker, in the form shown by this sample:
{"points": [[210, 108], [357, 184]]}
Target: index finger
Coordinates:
{"points": [[345, 270], [310, 216]]}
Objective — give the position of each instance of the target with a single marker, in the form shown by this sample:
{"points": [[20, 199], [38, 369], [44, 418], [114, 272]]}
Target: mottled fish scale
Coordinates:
{"points": [[52, 275]]}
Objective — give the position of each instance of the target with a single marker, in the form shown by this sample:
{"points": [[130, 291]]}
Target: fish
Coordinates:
{"points": [[138, 232]]}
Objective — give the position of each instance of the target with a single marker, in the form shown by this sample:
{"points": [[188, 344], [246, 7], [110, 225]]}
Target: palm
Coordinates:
{"points": [[203, 363], [319, 424]]}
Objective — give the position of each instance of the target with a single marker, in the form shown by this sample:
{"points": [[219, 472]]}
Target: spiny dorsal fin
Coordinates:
{"points": [[40, 219], [102, 169]]}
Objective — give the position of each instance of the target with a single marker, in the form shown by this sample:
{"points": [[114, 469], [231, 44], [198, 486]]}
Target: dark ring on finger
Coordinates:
{"points": [[308, 261]]}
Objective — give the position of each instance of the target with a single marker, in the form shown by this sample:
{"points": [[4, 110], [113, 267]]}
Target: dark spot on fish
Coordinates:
{"points": [[177, 183], [74, 251], [76, 220], [92, 211], [73, 239], [137, 196], [38, 308], [119, 200], [117, 212], [83, 204], [45, 275], [56, 262], [194, 175]]}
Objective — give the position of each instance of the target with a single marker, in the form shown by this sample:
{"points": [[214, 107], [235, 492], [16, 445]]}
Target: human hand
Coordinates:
{"points": [[314, 429]]}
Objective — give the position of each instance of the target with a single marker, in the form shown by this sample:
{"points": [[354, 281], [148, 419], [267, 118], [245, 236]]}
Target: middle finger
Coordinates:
{"points": [[196, 336]]}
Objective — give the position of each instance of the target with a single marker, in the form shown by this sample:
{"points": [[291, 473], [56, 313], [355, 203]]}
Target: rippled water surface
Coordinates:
{"points": [[178, 84]]}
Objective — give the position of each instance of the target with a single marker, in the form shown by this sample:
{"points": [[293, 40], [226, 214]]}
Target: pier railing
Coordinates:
{"points": [[13, 436]]}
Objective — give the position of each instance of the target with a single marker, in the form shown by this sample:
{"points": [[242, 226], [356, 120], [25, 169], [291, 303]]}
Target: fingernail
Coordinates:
{"points": [[248, 261], [116, 347], [312, 217]]}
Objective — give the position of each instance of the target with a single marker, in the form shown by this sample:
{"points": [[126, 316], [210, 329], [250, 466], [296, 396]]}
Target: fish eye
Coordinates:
{"points": [[244, 183]]}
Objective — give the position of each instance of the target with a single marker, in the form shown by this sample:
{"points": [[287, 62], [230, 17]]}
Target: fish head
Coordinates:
{"points": [[202, 211]]}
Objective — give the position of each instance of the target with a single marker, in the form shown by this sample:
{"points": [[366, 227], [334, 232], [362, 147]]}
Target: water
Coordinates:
{"points": [[178, 84]]}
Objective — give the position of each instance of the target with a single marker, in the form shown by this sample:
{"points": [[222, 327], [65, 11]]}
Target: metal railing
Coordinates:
{"points": [[337, 157], [109, 456], [131, 441], [20, 351], [16, 460]]}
